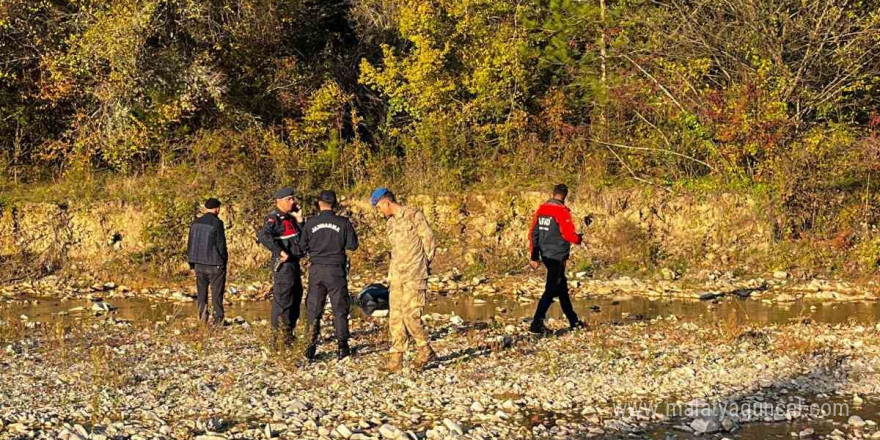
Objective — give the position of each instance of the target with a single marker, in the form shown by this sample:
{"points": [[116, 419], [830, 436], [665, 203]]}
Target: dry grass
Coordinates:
{"points": [[730, 327], [12, 328], [798, 340]]}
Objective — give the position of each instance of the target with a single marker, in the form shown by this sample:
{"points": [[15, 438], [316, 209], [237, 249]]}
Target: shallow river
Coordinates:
{"points": [[602, 309]]}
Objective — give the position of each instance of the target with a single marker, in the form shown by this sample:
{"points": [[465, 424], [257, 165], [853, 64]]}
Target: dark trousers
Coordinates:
{"points": [[555, 287], [287, 291], [215, 278], [324, 281]]}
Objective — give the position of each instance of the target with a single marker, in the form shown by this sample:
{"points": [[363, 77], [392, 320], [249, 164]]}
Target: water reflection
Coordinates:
{"points": [[593, 310]]}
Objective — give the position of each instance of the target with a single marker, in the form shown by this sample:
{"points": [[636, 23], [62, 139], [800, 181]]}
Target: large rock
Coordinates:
{"points": [[391, 432], [344, 431], [728, 424], [509, 405], [808, 432], [856, 422], [102, 307], [453, 427], [706, 425]]}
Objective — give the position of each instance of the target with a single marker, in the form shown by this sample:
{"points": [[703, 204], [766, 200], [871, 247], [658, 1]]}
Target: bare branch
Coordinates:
{"points": [[661, 150]]}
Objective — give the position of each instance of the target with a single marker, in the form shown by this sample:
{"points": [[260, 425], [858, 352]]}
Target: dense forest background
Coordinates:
{"points": [[773, 97]]}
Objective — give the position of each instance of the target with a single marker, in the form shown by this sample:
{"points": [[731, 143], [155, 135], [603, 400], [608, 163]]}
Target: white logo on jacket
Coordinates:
{"points": [[544, 223], [325, 226]]}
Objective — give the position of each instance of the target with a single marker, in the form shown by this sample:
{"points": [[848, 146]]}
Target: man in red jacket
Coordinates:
{"points": [[550, 238]]}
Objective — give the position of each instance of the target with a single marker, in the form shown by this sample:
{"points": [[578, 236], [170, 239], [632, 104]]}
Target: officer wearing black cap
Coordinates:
{"points": [[207, 255], [280, 234], [325, 239]]}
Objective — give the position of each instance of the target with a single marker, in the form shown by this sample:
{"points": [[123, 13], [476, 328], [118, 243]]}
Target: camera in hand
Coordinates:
{"points": [[588, 220]]}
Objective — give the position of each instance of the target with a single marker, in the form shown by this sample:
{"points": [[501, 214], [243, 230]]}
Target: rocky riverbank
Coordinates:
{"points": [[777, 287], [161, 375]]}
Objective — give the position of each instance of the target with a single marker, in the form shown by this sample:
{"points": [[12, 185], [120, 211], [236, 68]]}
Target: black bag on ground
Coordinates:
{"points": [[373, 297]]}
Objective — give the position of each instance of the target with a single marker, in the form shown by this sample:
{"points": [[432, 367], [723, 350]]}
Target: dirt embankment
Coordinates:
{"points": [[634, 233]]}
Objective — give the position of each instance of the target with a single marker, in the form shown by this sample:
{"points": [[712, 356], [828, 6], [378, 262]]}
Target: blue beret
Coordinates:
{"points": [[377, 195]]}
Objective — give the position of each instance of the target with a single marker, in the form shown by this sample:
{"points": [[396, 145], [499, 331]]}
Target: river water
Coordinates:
{"points": [[601, 309], [604, 309]]}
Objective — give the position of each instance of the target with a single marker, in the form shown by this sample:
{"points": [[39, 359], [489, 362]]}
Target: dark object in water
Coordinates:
{"points": [[708, 296], [373, 297], [747, 292], [744, 293]]}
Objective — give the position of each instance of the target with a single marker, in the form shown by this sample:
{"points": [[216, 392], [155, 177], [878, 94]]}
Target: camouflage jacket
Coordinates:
{"points": [[412, 246]]}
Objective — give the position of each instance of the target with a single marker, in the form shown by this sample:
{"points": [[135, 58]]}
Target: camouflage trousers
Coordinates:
{"points": [[406, 302]]}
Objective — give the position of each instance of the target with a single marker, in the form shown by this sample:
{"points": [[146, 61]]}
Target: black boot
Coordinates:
{"points": [[578, 324], [343, 351], [537, 327]]}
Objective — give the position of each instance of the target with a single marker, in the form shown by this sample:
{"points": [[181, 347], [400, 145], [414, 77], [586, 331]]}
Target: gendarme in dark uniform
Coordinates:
{"points": [[207, 256], [281, 235], [325, 239]]}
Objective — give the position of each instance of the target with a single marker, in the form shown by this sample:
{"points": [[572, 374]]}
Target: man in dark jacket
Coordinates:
{"points": [[281, 235], [325, 239], [550, 238], [206, 251]]}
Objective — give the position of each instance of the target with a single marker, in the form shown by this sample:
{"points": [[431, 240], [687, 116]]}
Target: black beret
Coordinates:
{"points": [[212, 203], [327, 196], [284, 192]]}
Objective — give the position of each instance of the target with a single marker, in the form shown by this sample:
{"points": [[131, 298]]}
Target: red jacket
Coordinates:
{"points": [[552, 232]]}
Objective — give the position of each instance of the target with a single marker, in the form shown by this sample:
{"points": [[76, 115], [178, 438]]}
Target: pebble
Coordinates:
{"points": [[101, 306], [344, 431], [509, 405], [453, 427], [856, 422], [706, 425], [390, 432]]}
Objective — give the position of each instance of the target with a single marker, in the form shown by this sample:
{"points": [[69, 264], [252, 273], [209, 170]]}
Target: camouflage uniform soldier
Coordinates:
{"points": [[412, 249]]}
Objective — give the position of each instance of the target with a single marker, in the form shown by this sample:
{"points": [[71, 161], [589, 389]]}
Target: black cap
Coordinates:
{"points": [[327, 196], [560, 189], [284, 192], [212, 203]]}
